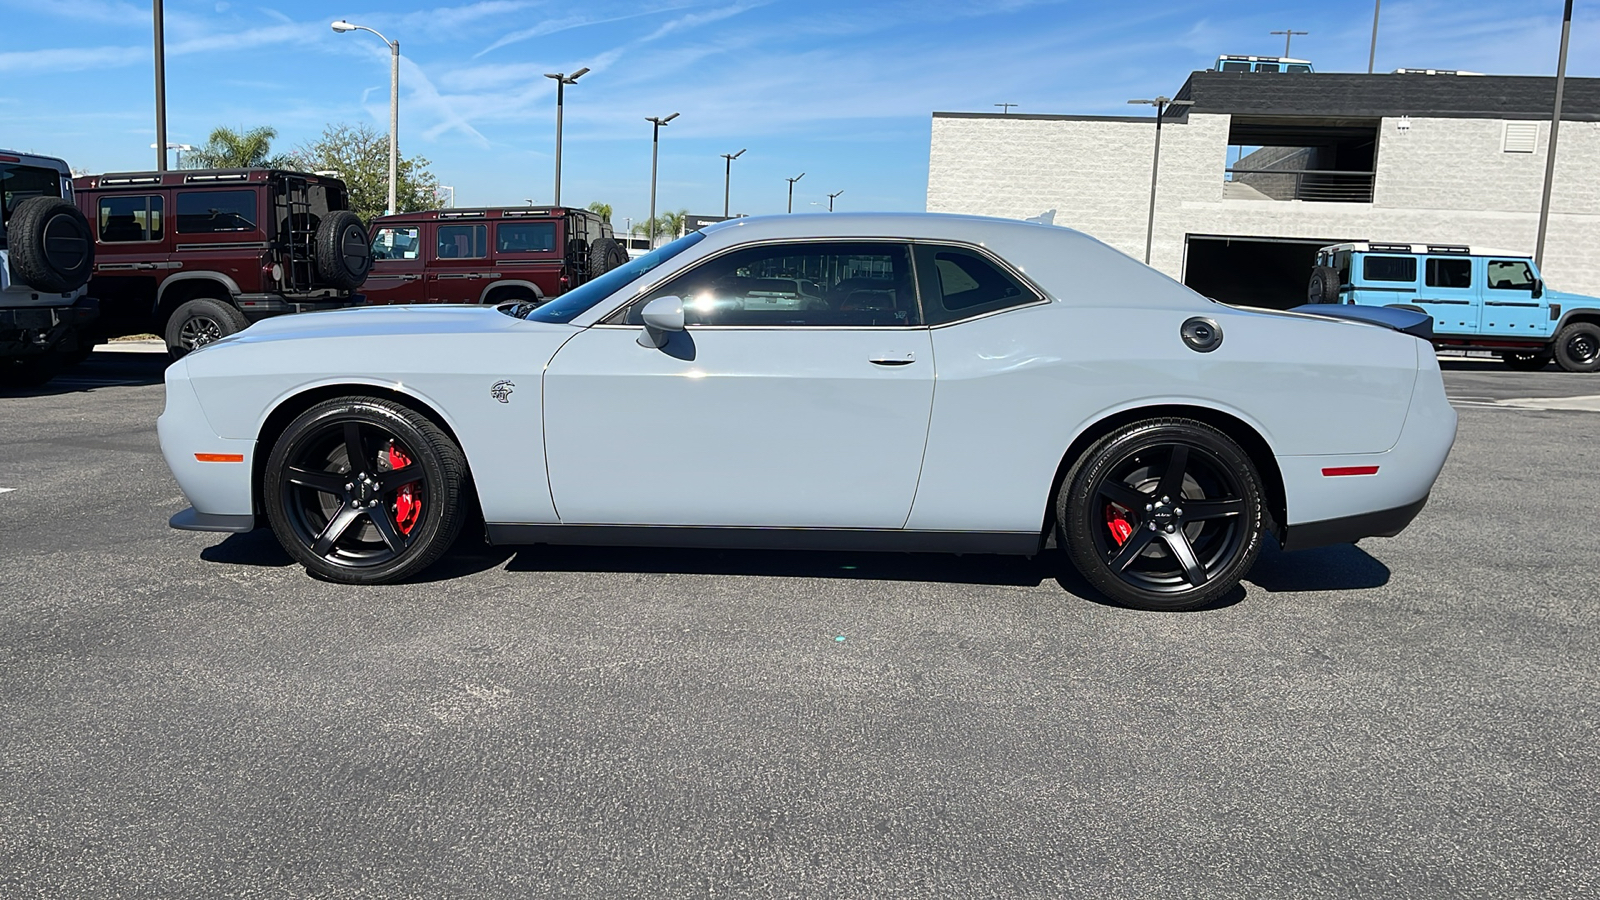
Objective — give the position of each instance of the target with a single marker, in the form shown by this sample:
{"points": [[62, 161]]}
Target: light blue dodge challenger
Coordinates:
{"points": [[882, 382]]}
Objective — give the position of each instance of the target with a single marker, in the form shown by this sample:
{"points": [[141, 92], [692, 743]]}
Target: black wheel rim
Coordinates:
{"points": [[1169, 518], [1583, 347], [197, 331], [349, 514]]}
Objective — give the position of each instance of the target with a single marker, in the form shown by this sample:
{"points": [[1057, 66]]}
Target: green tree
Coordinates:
{"points": [[671, 223], [604, 209], [244, 148], [360, 156]]}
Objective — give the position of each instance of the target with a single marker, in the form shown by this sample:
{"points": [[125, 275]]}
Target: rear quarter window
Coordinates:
{"points": [[1389, 268]]}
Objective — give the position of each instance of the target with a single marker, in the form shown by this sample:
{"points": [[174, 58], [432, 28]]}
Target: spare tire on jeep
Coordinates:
{"points": [[52, 246], [342, 249], [1324, 286], [604, 255]]}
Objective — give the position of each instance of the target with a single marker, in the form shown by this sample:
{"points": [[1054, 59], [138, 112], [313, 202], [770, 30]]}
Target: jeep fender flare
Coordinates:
{"points": [[1568, 316], [502, 285], [228, 284]]}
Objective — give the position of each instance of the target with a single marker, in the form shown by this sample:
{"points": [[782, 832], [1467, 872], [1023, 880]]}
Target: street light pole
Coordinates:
{"points": [[177, 153], [342, 26], [562, 80], [727, 178], [1288, 35], [1160, 103], [1555, 128], [161, 86], [655, 148], [831, 196], [791, 189], [1005, 108], [1372, 55]]}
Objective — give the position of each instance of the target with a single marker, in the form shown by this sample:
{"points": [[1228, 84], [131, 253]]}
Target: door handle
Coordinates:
{"points": [[904, 360]]}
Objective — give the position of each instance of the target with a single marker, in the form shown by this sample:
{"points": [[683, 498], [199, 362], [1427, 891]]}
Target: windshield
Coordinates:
{"points": [[570, 305], [18, 183]]}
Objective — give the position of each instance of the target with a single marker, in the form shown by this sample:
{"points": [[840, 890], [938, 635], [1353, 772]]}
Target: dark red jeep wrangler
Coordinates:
{"points": [[195, 255], [488, 255]]}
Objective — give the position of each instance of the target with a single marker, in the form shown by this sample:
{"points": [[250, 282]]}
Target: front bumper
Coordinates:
{"points": [[215, 473], [192, 520]]}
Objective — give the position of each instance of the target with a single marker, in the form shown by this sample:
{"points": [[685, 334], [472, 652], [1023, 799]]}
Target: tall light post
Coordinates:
{"points": [[562, 80], [727, 178], [655, 147], [1005, 108], [161, 86], [1555, 128], [1288, 35], [177, 153], [831, 196], [791, 189], [342, 26], [1372, 55], [1160, 103]]}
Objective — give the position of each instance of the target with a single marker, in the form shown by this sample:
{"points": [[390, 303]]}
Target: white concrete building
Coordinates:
{"points": [[1262, 169]]}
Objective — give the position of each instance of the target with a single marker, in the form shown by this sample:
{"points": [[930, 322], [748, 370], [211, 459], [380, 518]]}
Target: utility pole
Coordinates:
{"points": [[791, 189], [831, 196], [1555, 128], [161, 87], [655, 147], [1372, 55], [727, 178], [1005, 108], [1288, 35], [1160, 103]]}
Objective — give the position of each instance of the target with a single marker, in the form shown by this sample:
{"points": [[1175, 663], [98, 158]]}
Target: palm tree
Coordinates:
{"points": [[229, 149], [671, 223], [604, 209]]}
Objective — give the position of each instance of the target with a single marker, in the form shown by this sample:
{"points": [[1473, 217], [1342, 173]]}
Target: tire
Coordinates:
{"points": [[511, 295], [343, 250], [1324, 285], [52, 246], [365, 533], [605, 254], [199, 322], [1525, 361], [1124, 535], [1577, 347], [30, 371]]}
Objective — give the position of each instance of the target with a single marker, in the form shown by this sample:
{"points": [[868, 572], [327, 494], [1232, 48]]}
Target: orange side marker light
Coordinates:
{"points": [[219, 457]]}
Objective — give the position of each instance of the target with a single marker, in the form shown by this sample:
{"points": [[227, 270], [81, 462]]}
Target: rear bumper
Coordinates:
{"points": [[1349, 529], [31, 330]]}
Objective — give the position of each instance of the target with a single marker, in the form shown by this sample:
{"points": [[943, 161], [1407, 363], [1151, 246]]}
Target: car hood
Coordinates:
{"points": [[1568, 299], [364, 321]]}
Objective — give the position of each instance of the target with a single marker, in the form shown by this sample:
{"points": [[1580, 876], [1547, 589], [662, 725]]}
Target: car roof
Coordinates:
{"points": [[1425, 249], [191, 178], [34, 159], [909, 226], [486, 212]]}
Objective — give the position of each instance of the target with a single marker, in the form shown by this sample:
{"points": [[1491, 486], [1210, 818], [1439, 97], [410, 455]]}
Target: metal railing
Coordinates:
{"points": [[1318, 185]]}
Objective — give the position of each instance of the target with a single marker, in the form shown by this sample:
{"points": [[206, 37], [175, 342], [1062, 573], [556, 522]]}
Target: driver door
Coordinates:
{"points": [[798, 396]]}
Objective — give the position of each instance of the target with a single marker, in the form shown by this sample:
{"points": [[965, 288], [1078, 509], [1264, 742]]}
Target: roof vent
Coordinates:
{"points": [[1520, 137]]}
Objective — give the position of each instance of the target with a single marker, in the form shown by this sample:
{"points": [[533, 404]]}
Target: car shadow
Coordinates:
{"points": [[1340, 567], [260, 548], [103, 369]]}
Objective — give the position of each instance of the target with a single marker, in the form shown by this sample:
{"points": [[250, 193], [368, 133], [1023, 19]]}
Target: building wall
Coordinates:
{"points": [[1442, 180]]}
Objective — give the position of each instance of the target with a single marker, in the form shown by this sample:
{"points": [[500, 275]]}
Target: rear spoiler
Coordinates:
{"points": [[1409, 321]]}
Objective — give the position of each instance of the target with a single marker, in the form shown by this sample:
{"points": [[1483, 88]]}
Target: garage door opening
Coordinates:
{"points": [[1251, 271]]}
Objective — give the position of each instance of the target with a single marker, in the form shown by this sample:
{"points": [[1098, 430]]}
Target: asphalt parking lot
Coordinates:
{"points": [[190, 715]]}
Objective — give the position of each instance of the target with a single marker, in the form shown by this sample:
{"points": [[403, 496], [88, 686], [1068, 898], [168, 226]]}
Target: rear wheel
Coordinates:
{"points": [[1163, 514], [199, 322], [1525, 362], [1577, 347], [364, 491]]}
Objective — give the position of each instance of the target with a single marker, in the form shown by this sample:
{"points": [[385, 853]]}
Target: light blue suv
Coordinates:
{"points": [[1479, 299]]}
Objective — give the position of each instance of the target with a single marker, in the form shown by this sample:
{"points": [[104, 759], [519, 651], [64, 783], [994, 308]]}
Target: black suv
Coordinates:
{"points": [[196, 255]]}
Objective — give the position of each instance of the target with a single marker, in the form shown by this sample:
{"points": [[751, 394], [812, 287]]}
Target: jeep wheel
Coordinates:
{"points": [[52, 246], [199, 322], [1577, 347], [343, 250], [605, 255], [1324, 286], [1525, 362]]}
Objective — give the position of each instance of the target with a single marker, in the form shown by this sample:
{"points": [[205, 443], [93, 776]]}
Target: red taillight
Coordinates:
{"points": [[1350, 470]]}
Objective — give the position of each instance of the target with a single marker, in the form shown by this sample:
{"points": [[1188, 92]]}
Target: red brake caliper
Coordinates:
{"points": [[407, 505], [1117, 521]]}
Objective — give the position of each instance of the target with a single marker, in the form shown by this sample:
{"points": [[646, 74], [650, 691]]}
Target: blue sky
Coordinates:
{"points": [[841, 91]]}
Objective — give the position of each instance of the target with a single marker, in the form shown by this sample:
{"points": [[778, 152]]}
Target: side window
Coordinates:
{"points": [[1299, 69], [525, 237], [130, 219], [1510, 275], [1389, 268], [216, 212], [958, 283], [1341, 261], [1235, 67], [816, 283], [463, 241], [396, 242], [1449, 273]]}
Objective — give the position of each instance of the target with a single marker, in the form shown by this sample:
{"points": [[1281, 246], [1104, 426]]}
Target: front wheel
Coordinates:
{"points": [[1577, 347], [364, 491], [1163, 514]]}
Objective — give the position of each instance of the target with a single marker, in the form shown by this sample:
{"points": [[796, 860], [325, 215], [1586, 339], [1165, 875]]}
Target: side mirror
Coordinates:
{"points": [[661, 315], [1538, 288]]}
